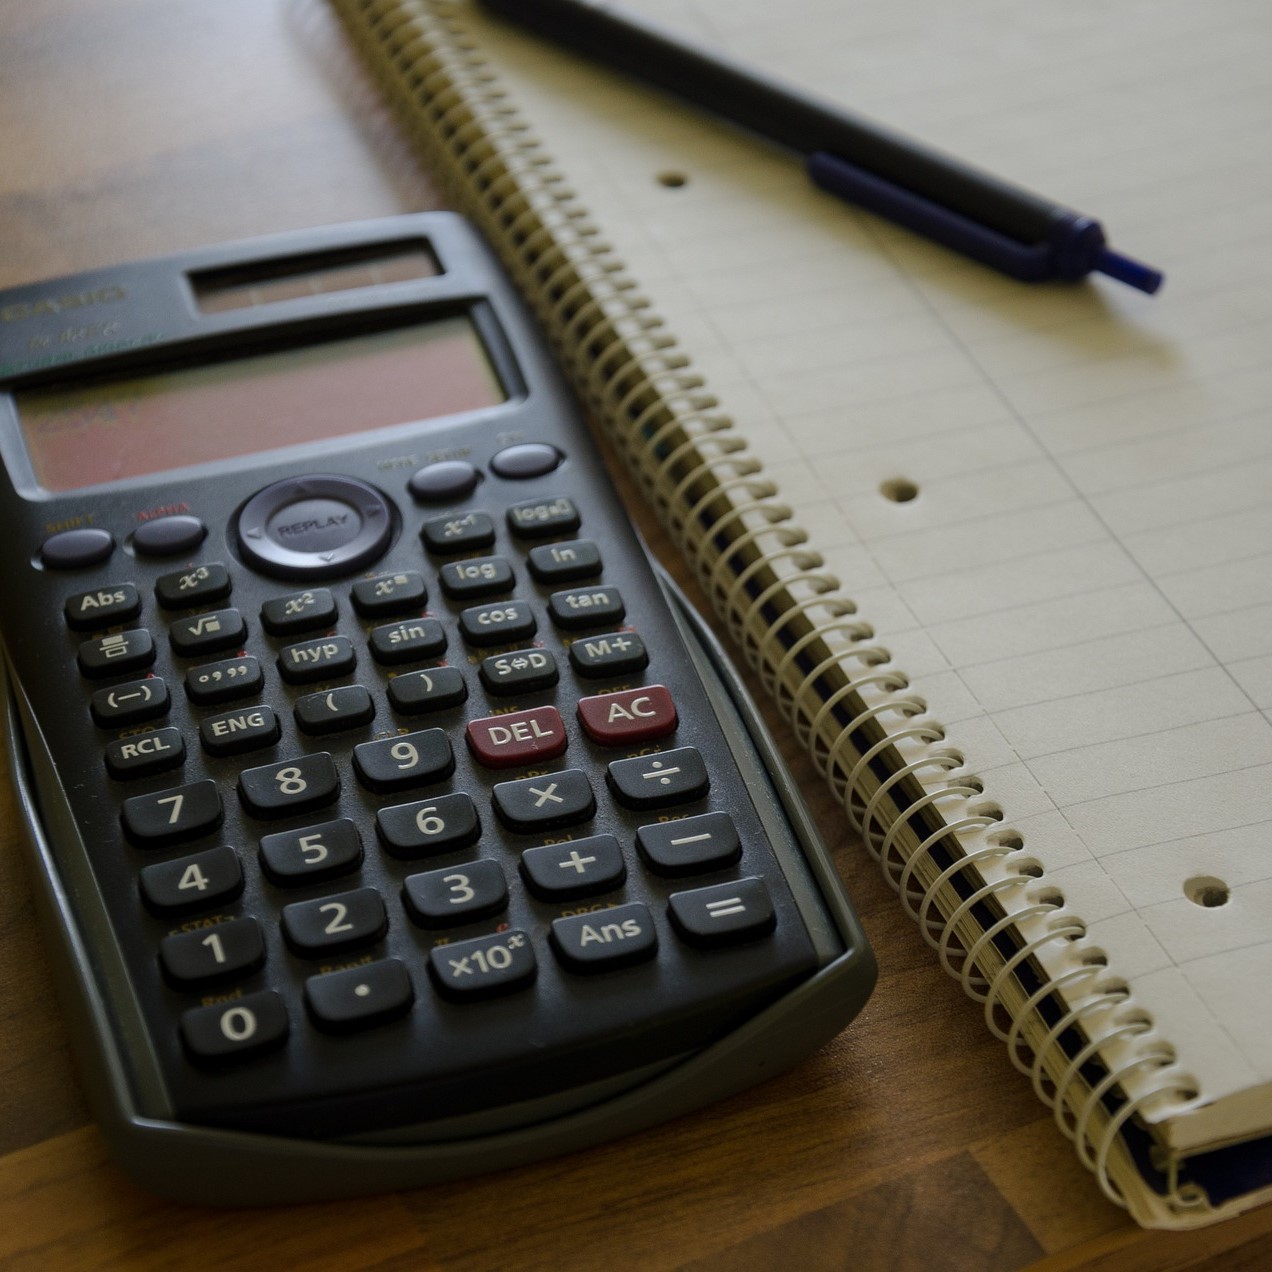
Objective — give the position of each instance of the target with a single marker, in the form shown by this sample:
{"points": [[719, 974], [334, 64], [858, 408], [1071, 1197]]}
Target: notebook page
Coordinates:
{"points": [[1082, 588]]}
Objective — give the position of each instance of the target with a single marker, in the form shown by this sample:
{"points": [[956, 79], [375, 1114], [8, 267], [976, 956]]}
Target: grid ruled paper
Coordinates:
{"points": [[1082, 589]]}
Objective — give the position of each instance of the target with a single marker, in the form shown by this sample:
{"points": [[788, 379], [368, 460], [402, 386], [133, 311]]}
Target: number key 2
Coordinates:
{"points": [[330, 924]]}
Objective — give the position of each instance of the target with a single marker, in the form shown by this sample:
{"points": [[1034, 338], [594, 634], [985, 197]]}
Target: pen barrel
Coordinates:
{"points": [[782, 113]]}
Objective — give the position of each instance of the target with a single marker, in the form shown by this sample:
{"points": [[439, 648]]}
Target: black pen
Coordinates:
{"points": [[992, 221]]}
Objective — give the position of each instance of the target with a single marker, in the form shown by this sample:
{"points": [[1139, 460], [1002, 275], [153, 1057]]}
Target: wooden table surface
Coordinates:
{"points": [[131, 128]]}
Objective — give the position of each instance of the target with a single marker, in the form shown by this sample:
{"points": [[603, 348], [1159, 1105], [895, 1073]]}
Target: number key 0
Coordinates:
{"points": [[290, 786]]}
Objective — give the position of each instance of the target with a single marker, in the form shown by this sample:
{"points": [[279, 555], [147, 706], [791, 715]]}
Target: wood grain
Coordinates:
{"points": [[135, 127]]}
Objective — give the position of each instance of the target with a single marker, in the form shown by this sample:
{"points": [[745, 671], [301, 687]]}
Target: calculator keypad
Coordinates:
{"points": [[463, 779]]}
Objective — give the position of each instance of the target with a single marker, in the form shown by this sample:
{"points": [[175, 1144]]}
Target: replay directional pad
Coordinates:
{"points": [[314, 527]]}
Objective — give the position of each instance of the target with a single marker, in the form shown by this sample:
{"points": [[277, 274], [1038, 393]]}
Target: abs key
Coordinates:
{"points": [[102, 607]]}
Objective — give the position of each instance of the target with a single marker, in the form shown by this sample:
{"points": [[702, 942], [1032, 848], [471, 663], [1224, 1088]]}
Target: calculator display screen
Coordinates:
{"points": [[106, 430]]}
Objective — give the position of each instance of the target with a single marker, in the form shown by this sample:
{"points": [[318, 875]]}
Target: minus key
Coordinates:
{"points": [[690, 845]]}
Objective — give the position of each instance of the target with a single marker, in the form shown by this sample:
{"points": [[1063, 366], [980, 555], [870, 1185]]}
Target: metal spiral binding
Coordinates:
{"points": [[750, 558]]}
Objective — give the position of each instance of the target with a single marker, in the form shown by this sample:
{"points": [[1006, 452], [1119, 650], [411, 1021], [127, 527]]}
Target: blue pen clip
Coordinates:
{"points": [[1075, 247]]}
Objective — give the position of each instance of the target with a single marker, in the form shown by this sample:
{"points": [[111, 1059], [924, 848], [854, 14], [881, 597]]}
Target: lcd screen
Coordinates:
{"points": [[106, 430]]}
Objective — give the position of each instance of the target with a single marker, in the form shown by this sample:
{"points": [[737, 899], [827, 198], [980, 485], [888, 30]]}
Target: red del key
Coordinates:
{"points": [[520, 737]]}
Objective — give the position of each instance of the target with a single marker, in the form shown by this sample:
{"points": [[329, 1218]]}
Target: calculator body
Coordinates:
{"points": [[391, 818]]}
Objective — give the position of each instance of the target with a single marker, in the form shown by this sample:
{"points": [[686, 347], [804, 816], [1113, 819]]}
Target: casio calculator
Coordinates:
{"points": [[391, 818]]}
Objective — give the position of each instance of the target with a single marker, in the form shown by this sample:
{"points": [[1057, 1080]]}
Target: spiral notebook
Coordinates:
{"points": [[1002, 554]]}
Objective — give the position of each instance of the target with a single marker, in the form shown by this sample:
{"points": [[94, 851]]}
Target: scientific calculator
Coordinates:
{"points": [[390, 818]]}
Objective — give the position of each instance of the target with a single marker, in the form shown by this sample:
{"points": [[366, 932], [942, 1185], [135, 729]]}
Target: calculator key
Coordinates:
{"points": [[328, 925], [689, 845], [334, 710], [359, 997], [461, 894], [520, 737], [458, 532], [117, 654], [564, 562], [224, 950], [75, 549], [605, 940], [523, 671], [300, 612], [401, 593], [484, 966], [169, 536], [475, 577], [429, 827], [199, 585], [543, 518], [321, 659], [145, 753], [587, 607], [544, 803], [500, 623], [313, 525], [629, 716], [226, 681], [417, 692], [211, 877], [614, 654], [181, 812], [235, 732], [446, 480], [580, 868], [525, 460], [658, 781], [207, 633], [312, 853], [725, 914], [411, 640], [394, 764], [298, 785], [116, 603], [237, 1029], [130, 703]]}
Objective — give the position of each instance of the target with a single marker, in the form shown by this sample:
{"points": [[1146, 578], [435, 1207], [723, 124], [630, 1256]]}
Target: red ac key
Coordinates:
{"points": [[520, 737], [630, 715]]}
